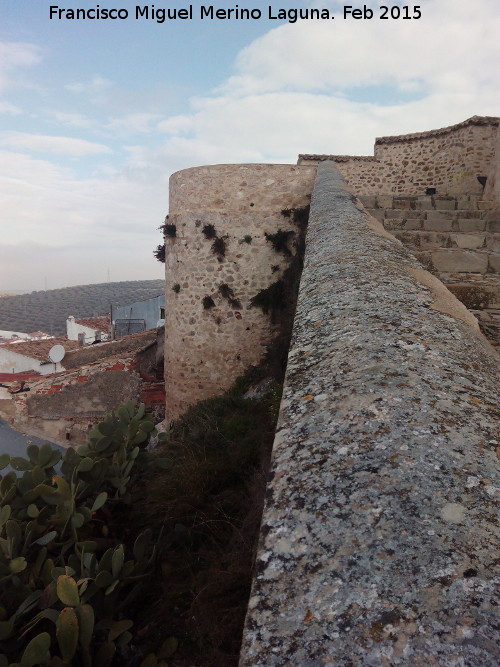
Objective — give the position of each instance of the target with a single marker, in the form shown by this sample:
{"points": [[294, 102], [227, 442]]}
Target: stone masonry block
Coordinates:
{"points": [[471, 225], [409, 239], [445, 204], [402, 202], [468, 241], [441, 215], [494, 262], [460, 261], [465, 202], [395, 213], [474, 215], [493, 227], [438, 225], [385, 201], [368, 201], [486, 205], [493, 242], [424, 203], [413, 223], [492, 216], [394, 223], [433, 240]]}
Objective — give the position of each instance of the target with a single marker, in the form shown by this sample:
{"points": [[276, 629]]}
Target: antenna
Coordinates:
{"points": [[56, 353]]}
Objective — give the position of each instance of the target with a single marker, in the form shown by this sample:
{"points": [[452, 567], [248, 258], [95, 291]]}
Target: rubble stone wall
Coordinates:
{"points": [[63, 407], [217, 261], [449, 159], [378, 538]]}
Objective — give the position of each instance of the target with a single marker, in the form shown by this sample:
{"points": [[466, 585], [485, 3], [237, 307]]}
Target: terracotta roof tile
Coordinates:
{"points": [[96, 323], [39, 349]]}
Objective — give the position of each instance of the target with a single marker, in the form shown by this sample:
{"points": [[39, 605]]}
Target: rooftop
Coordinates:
{"points": [[97, 323], [39, 349]]}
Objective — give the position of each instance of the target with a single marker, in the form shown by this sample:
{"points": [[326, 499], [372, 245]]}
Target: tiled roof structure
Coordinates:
{"points": [[39, 349], [96, 323], [17, 377]]}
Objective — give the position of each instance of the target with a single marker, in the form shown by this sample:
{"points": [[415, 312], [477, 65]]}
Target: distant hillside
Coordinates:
{"points": [[47, 310]]}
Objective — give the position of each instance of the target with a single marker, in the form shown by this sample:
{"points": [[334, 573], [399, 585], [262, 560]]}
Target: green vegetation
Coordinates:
{"points": [[115, 556], [209, 232], [159, 253], [67, 581], [272, 299], [279, 241], [208, 507], [227, 293], [208, 302], [219, 247], [48, 310], [170, 230]]}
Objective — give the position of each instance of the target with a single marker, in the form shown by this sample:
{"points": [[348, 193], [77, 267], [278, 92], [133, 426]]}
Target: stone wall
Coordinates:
{"points": [[448, 159], [91, 353], [378, 536], [218, 260], [63, 407]]}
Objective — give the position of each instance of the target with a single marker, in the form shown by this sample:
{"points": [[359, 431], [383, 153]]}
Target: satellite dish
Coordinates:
{"points": [[56, 353]]}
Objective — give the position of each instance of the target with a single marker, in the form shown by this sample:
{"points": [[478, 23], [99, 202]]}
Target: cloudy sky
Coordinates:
{"points": [[96, 115]]}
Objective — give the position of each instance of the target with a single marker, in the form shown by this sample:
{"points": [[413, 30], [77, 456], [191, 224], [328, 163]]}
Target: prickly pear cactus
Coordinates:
{"points": [[63, 594]]}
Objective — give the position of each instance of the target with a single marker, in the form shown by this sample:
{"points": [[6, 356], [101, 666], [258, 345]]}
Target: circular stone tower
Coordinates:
{"points": [[229, 237]]}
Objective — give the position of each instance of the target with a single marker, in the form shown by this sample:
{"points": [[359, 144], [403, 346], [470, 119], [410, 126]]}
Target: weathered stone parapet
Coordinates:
{"points": [[379, 535], [212, 331]]}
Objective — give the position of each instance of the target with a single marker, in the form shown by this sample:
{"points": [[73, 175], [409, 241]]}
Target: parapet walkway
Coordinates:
{"points": [[378, 537]]}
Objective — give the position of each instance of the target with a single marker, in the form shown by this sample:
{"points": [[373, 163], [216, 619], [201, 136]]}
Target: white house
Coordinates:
{"points": [[92, 328], [20, 355]]}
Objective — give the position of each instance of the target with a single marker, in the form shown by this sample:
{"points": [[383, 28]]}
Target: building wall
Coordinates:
{"points": [[206, 349], [73, 328], [12, 362], [449, 160], [64, 406], [148, 310]]}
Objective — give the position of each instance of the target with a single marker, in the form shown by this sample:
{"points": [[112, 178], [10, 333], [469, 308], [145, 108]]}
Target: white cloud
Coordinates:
{"points": [[295, 88], [133, 123], [335, 55], [14, 55], [71, 119], [47, 144], [6, 107], [33, 266], [95, 91], [302, 88], [37, 195]]}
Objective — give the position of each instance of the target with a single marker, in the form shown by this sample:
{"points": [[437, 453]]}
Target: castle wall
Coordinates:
{"points": [[207, 348], [449, 160], [378, 533]]}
